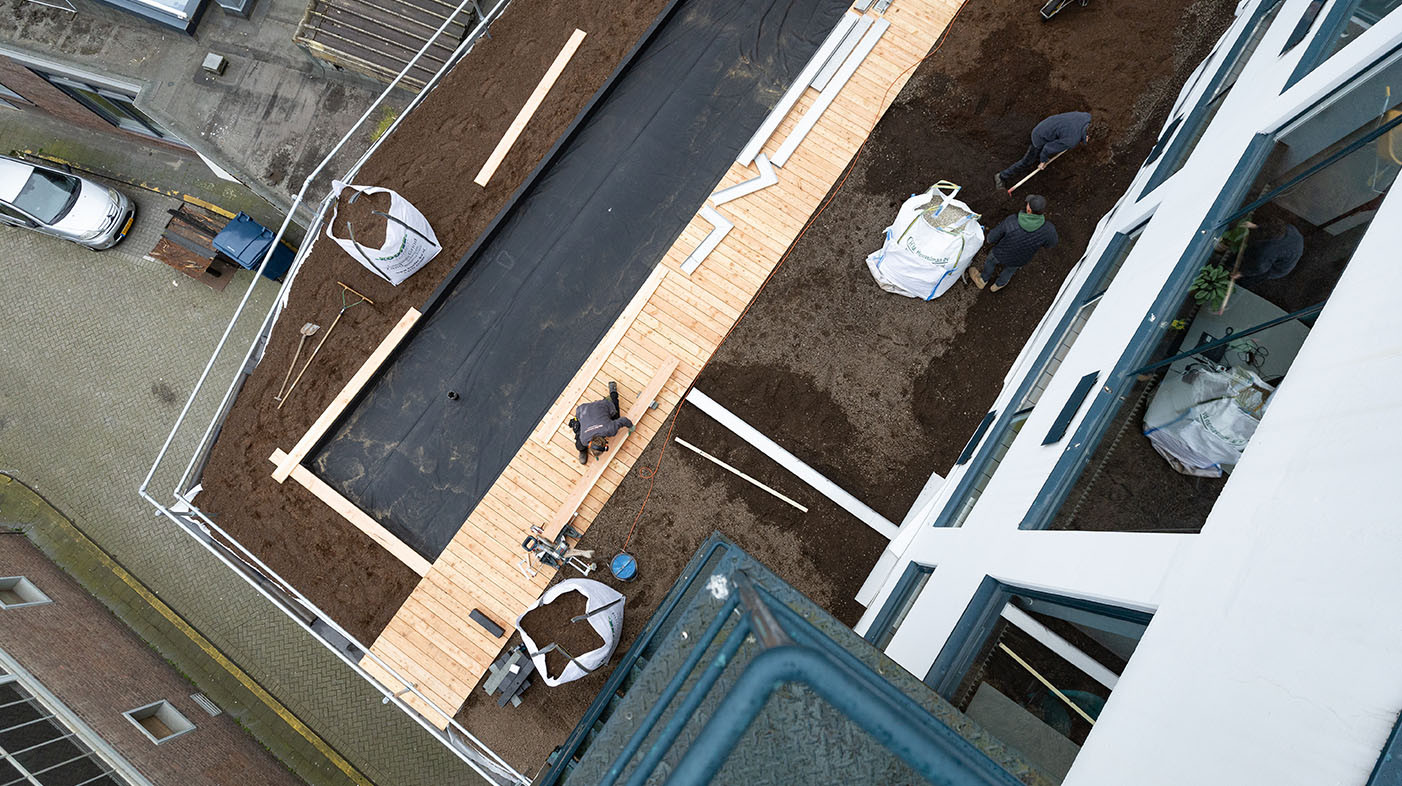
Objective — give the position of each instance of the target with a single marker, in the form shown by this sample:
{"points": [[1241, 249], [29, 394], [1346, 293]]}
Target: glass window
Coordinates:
{"points": [[1358, 16], [37, 749], [112, 106], [1206, 375], [1037, 670], [8, 93], [1201, 117], [903, 598], [48, 196]]}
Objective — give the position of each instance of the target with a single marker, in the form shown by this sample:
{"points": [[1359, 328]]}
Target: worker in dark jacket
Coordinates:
{"points": [[1056, 134], [1272, 251], [595, 421], [1013, 242]]}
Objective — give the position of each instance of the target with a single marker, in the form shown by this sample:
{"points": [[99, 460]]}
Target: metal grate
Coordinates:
{"points": [[206, 704]]}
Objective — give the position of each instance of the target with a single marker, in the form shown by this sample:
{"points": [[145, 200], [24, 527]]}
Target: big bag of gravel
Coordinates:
{"points": [[409, 242], [603, 608]]}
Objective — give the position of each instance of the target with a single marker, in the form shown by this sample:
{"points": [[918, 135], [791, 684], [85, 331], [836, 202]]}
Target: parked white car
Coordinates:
{"points": [[67, 206]]}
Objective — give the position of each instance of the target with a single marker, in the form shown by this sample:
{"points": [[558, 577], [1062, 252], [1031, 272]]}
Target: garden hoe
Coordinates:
{"points": [[308, 329]]}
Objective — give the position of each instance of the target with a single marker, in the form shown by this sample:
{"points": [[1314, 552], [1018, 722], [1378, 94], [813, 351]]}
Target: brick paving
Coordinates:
{"points": [[99, 353]]}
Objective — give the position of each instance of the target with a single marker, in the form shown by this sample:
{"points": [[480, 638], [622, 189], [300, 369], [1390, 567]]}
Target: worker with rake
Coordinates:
{"points": [[595, 421], [1050, 138]]}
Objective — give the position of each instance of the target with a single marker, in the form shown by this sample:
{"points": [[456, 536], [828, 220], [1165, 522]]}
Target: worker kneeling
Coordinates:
{"points": [[595, 421]]}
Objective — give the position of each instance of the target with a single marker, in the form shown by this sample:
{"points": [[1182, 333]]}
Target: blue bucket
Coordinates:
{"points": [[624, 567]]}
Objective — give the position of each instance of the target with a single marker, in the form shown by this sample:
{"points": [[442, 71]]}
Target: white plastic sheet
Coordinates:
{"points": [[607, 623], [409, 240], [929, 245]]}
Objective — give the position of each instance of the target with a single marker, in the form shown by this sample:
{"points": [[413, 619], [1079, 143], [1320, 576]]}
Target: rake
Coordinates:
{"points": [[346, 305]]}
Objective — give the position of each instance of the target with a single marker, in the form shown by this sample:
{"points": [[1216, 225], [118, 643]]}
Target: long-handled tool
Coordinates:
{"points": [[308, 329], [1033, 173], [346, 305]]}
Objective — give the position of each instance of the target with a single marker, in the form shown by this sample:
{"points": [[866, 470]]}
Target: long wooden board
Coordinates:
{"points": [[343, 399], [528, 111], [354, 515], [567, 511]]}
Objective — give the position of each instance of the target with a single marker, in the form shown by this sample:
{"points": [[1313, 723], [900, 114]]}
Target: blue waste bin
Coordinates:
{"points": [[245, 241]]}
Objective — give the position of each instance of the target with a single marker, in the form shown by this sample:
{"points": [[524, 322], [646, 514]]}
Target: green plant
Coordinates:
{"points": [[1210, 287], [388, 115]]}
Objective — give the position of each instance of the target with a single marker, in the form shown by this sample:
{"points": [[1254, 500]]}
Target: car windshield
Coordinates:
{"points": [[48, 195]]}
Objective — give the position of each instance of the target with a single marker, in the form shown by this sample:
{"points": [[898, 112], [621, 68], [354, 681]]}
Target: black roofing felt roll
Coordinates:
{"points": [[534, 296]]}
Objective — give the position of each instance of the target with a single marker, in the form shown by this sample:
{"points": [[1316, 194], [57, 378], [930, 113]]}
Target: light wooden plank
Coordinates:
{"points": [[559, 413], [566, 512], [355, 516], [343, 399], [528, 111]]}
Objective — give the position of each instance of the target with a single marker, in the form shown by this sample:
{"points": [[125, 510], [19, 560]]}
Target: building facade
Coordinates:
{"points": [[84, 700], [1164, 555]]}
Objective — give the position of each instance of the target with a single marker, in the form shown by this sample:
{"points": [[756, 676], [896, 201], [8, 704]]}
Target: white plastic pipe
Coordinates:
{"points": [[791, 463]]}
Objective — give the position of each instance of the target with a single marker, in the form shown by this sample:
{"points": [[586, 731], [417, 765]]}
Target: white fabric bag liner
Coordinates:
{"points": [[405, 250], [1216, 430], [920, 260], [608, 624]]}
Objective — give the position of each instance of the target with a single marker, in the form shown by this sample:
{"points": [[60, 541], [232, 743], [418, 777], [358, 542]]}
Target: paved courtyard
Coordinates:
{"points": [[99, 353]]}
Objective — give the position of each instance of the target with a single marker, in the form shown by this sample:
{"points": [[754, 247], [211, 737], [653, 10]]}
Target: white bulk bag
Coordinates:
{"points": [[409, 240], [1215, 431], [607, 623], [929, 245]]}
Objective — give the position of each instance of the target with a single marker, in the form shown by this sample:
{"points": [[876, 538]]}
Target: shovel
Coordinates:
{"points": [[307, 330]]}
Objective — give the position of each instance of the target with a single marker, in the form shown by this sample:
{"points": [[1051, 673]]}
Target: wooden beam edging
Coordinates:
{"points": [[343, 399], [565, 513], [529, 109], [791, 463], [355, 515], [564, 405]]}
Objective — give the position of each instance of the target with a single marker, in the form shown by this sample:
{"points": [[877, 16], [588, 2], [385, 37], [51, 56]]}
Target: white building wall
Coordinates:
{"points": [[1269, 655]]}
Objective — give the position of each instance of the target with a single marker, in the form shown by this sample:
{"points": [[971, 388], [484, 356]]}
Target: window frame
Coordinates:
{"points": [[1092, 290], [1196, 120], [136, 121], [983, 612], [1317, 50], [898, 604], [23, 581]]}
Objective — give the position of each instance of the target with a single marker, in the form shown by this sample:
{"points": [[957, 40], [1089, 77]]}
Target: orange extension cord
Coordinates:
{"points": [[650, 473]]}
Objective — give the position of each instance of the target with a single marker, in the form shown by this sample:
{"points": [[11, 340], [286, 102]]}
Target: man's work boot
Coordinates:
{"points": [[996, 287], [999, 182], [584, 455], [976, 277]]}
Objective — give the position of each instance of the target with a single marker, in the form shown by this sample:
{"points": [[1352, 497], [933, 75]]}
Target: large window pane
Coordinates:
{"points": [[1361, 15], [1228, 73], [1039, 674], [1210, 372]]}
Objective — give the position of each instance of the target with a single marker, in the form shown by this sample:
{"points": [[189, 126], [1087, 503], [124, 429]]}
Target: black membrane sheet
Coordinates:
{"points": [[535, 295]]}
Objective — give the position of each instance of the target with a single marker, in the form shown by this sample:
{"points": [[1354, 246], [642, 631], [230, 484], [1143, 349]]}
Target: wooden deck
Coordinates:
{"points": [[430, 641]]}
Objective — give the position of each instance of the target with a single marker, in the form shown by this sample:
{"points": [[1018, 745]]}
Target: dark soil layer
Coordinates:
{"points": [[551, 624], [355, 217], [884, 390], [430, 160], [874, 390]]}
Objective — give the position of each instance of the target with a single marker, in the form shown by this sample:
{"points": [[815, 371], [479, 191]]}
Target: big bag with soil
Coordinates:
{"points": [[929, 245], [603, 610], [392, 243]]}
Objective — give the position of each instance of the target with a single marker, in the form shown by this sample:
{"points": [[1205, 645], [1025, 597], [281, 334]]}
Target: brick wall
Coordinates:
{"points": [[49, 100], [100, 669]]}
